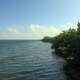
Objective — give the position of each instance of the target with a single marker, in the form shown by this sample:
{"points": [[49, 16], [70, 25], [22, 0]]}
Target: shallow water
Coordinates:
{"points": [[28, 60]]}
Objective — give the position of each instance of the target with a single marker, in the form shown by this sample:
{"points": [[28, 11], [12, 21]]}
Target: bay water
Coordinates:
{"points": [[29, 60]]}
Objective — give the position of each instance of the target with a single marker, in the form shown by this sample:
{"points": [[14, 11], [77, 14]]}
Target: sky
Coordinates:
{"points": [[34, 19]]}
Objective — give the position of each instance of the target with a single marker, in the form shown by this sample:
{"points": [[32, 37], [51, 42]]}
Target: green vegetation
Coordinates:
{"points": [[47, 39], [67, 45]]}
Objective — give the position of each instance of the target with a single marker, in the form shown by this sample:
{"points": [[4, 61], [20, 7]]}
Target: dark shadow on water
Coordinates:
{"points": [[71, 71], [60, 60]]}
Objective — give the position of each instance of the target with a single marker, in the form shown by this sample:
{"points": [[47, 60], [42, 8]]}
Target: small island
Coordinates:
{"points": [[67, 46]]}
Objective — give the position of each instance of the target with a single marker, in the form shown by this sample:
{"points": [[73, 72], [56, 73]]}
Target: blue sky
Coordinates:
{"points": [[34, 19]]}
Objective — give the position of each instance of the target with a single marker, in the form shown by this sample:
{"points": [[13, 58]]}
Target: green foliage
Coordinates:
{"points": [[67, 44], [78, 29], [47, 39]]}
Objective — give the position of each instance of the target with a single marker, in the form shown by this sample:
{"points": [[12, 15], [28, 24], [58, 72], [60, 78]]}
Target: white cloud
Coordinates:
{"points": [[44, 30], [13, 31], [35, 31], [68, 26]]}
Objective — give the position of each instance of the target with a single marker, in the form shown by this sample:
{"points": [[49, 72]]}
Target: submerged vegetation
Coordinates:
{"points": [[67, 45]]}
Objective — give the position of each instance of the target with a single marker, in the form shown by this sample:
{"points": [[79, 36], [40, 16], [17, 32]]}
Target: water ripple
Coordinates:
{"points": [[28, 60]]}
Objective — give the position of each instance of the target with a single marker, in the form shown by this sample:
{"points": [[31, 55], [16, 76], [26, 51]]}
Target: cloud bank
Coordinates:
{"points": [[35, 31]]}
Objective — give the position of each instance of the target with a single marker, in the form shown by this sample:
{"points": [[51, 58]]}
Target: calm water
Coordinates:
{"points": [[28, 60]]}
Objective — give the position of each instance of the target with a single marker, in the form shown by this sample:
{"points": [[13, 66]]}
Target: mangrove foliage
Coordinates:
{"points": [[67, 45]]}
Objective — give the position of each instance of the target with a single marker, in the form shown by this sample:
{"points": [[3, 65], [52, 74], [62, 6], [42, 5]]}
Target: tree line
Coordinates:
{"points": [[67, 45]]}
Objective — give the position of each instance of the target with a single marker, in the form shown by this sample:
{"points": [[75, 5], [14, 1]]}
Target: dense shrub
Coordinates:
{"points": [[67, 44]]}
